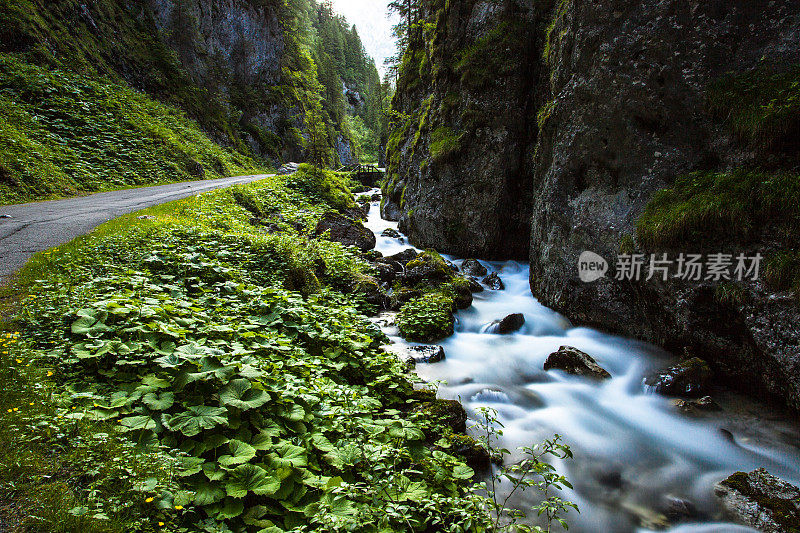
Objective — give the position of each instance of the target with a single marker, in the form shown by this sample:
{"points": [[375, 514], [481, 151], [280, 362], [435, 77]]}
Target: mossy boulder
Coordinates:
{"points": [[427, 267], [349, 232], [445, 414], [761, 500]]}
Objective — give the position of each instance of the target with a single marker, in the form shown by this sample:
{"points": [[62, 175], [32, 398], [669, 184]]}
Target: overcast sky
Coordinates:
{"points": [[374, 27]]}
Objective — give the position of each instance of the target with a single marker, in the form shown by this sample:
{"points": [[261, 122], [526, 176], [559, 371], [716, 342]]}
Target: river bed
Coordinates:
{"points": [[636, 454]]}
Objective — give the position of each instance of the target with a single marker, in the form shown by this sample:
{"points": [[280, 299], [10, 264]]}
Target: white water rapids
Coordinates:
{"points": [[633, 450]]}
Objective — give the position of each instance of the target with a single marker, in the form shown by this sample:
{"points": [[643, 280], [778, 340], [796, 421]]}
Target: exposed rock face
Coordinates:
{"points": [[614, 100], [761, 500], [464, 184], [624, 126], [573, 361], [687, 378], [471, 267]]}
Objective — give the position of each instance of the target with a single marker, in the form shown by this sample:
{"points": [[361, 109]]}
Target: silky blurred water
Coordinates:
{"points": [[633, 450]]}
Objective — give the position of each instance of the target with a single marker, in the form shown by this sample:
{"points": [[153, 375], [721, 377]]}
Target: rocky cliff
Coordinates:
{"points": [[650, 127], [248, 71]]}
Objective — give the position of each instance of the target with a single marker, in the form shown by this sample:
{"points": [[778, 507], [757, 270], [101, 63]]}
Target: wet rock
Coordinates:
{"points": [[429, 267], [409, 254], [385, 272], [462, 296], [573, 361], [693, 407], [610, 479], [680, 510], [425, 353], [453, 266], [372, 291], [376, 197], [363, 202], [760, 500], [475, 285], [345, 231], [509, 324], [390, 210], [687, 378], [472, 267], [494, 282], [288, 168], [391, 233]]}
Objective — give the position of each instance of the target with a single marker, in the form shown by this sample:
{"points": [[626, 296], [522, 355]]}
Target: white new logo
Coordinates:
{"points": [[591, 267]]}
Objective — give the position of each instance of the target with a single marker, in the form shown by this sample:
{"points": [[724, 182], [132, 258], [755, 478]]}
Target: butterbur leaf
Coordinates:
{"points": [[131, 423], [90, 322], [231, 508], [208, 493], [190, 466], [250, 478], [240, 393], [197, 418], [462, 471], [240, 452], [290, 455], [159, 402]]}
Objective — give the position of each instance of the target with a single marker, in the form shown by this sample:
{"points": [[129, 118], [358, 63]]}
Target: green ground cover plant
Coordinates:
{"points": [[249, 398]]}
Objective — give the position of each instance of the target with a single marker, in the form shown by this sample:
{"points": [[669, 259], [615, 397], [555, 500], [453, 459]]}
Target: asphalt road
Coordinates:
{"points": [[39, 226]]}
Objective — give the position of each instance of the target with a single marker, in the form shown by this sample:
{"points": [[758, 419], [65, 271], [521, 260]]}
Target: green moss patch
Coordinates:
{"points": [[445, 143], [707, 207], [762, 105]]}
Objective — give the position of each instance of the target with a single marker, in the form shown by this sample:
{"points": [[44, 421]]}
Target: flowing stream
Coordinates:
{"points": [[636, 455]]}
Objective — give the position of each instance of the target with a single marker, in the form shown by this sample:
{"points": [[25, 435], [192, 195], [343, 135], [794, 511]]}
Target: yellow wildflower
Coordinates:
{"points": [[148, 500], [178, 507], [49, 373]]}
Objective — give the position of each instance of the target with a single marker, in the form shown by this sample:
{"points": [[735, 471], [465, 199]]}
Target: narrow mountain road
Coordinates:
{"points": [[26, 229]]}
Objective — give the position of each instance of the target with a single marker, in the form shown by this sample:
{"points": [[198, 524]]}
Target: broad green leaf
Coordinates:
{"points": [[289, 455], [159, 402], [240, 452], [462, 471], [197, 418], [240, 393], [132, 423], [250, 478], [208, 493]]}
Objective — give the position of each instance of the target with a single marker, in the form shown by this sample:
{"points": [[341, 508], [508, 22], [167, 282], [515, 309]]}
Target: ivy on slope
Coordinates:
{"points": [[190, 331]]}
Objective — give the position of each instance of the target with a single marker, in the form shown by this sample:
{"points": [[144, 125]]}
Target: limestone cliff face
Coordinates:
{"points": [[562, 140], [459, 175]]}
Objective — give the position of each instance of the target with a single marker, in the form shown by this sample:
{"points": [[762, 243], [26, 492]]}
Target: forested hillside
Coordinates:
{"points": [[267, 81]]}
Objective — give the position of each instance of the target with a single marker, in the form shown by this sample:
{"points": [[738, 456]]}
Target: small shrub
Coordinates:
{"points": [[426, 319]]}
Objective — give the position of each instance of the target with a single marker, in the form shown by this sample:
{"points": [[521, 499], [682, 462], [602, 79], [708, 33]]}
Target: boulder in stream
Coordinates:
{"points": [[471, 267], [391, 233], [474, 284], [760, 500], [688, 378], [346, 231], [509, 324], [424, 353], [494, 282], [693, 407], [573, 361], [409, 254]]}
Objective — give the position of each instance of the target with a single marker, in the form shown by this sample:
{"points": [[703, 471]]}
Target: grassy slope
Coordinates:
{"points": [[63, 133], [127, 334]]}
